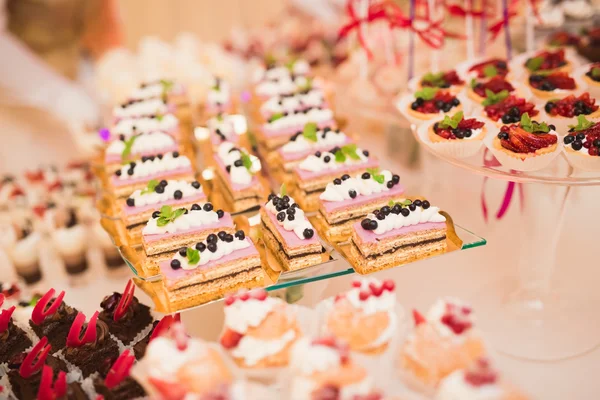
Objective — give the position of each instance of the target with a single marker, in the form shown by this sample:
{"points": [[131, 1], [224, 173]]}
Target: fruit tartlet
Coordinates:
{"points": [[591, 76], [259, 330], [478, 90], [547, 61], [477, 382], [486, 69], [442, 342], [502, 108], [323, 369], [582, 144], [564, 112], [365, 316], [442, 80], [431, 102], [455, 136], [563, 39], [525, 146], [552, 85]]}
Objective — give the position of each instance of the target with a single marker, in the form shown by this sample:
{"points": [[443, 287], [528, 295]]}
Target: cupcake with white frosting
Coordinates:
{"points": [[22, 246]]}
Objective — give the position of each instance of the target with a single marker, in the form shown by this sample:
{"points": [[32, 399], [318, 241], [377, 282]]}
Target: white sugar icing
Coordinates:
{"points": [[456, 387], [298, 225], [144, 143], [252, 349], [186, 188], [397, 221], [153, 167], [126, 127], [324, 139], [142, 108], [238, 174], [313, 163], [440, 308], [163, 358], [193, 219], [362, 187], [223, 248], [70, 241], [299, 119], [242, 315], [153, 90], [280, 104]]}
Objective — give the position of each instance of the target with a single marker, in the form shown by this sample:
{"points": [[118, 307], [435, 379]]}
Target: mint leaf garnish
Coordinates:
{"points": [[391, 203], [596, 72], [490, 71], [247, 161], [533, 127], [307, 86], [436, 80], [340, 157], [159, 117], [427, 93], [167, 86], [290, 65], [128, 146], [406, 202], [473, 83], [167, 215], [275, 117], [582, 124], [193, 256], [377, 177], [151, 186], [310, 132], [283, 190], [350, 151], [451, 122], [494, 98], [533, 64]]}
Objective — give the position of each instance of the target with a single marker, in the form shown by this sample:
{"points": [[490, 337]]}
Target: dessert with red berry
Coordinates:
{"points": [[526, 139], [589, 45], [503, 108], [552, 85], [488, 69], [548, 61], [442, 80], [323, 369], [564, 112], [365, 316], [563, 39], [582, 144], [443, 341], [259, 330], [592, 75], [396, 233], [430, 102], [457, 128], [479, 381], [477, 91]]}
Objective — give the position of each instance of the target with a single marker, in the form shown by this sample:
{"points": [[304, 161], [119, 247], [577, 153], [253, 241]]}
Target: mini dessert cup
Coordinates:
{"points": [[449, 80], [112, 257], [562, 123], [71, 243], [475, 100], [582, 145], [590, 74], [520, 70], [481, 69], [540, 97], [403, 104], [458, 148], [25, 257]]}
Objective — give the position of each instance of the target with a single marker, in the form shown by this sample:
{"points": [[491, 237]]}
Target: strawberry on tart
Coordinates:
{"points": [[348, 198], [488, 69], [477, 91], [564, 112], [455, 135], [591, 76], [502, 108], [259, 330], [431, 102], [582, 144], [442, 80], [552, 85], [548, 61]]}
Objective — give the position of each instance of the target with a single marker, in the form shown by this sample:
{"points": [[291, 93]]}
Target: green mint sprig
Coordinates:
{"points": [[435, 80], [533, 127], [128, 146], [150, 187], [167, 215], [167, 86], [473, 83], [275, 117], [376, 175], [534, 64], [451, 122], [310, 132], [427, 93], [490, 71], [582, 124], [494, 98], [247, 161], [283, 190], [404, 203], [345, 152], [193, 256], [596, 72]]}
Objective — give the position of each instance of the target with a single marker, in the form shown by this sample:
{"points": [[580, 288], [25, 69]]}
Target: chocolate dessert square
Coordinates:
{"points": [[127, 389], [27, 388], [139, 349], [135, 318], [13, 341], [92, 357], [56, 326]]}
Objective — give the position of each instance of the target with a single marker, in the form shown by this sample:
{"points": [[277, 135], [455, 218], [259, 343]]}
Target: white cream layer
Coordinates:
{"points": [[298, 225], [238, 174], [331, 138], [313, 163], [193, 219], [298, 119], [153, 167], [140, 109], [132, 126], [253, 350], [280, 104], [397, 221], [143, 143], [223, 249], [362, 187], [153, 197]]}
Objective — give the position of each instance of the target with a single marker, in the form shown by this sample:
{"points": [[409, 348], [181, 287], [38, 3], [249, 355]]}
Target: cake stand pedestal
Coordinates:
{"points": [[531, 315]]}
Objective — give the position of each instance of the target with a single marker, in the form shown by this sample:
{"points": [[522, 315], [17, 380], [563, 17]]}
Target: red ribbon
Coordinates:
{"points": [[508, 194], [496, 29]]}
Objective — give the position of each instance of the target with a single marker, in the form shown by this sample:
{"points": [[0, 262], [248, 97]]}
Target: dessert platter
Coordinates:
{"points": [[267, 349], [285, 198]]}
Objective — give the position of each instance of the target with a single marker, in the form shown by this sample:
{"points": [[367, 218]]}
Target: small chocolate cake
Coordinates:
{"points": [[13, 341], [140, 347], [27, 388], [126, 389], [56, 326], [91, 357], [130, 323]]}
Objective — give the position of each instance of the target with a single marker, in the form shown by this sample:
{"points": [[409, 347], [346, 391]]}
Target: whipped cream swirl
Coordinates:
{"points": [[133, 126], [242, 315], [167, 162], [231, 156], [396, 221], [344, 189]]}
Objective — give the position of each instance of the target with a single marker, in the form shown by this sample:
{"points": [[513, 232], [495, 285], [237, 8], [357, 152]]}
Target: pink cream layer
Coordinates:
{"points": [[116, 158], [171, 109], [371, 237], [301, 155], [269, 132], [164, 174], [225, 222], [173, 275], [292, 240], [345, 169], [200, 197], [331, 206], [236, 187]]}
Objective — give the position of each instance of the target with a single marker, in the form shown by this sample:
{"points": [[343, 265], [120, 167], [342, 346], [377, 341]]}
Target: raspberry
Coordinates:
{"points": [[230, 339], [496, 85], [500, 65]]}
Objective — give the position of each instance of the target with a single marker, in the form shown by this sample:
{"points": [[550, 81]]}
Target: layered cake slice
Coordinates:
{"points": [[221, 264], [223, 128], [136, 175], [142, 146], [168, 90], [139, 206], [167, 123], [141, 108], [219, 98], [289, 235], [237, 171], [393, 235], [348, 198], [301, 100], [280, 127], [313, 174], [280, 79], [170, 229], [306, 142]]}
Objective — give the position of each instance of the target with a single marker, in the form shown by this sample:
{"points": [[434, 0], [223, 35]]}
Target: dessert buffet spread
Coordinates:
{"points": [[268, 349], [194, 237]]}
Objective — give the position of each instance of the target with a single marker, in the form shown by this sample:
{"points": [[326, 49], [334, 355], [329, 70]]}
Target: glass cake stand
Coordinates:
{"points": [[532, 317]]}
